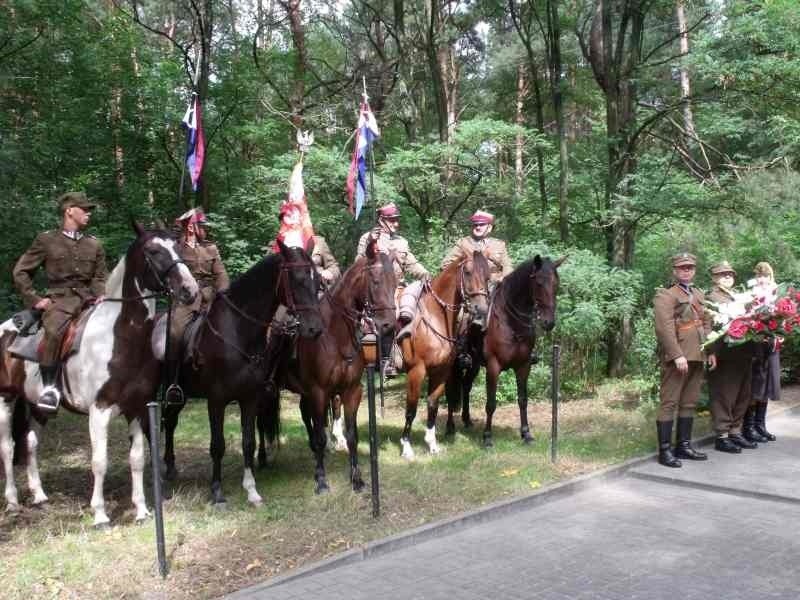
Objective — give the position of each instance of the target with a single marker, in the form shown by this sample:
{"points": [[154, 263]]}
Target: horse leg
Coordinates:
{"points": [[268, 422], [170, 423], [337, 429], [32, 467], [352, 400], [452, 392], [216, 422], [413, 385], [305, 414], [7, 453], [137, 469], [98, 432], [248, 410], [466, 390], [433, 411], [492, 373], [522, 400], [262, 447], [319, 399]]}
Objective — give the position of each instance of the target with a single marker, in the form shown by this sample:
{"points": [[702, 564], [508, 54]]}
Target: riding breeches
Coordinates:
{"points": [[182, 315], [679, 391], [55, 320], [407, 305]]}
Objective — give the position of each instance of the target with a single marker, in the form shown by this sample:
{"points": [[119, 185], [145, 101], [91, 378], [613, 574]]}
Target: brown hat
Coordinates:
{"points": [[684, 258], [722, 267], [78, 199]]}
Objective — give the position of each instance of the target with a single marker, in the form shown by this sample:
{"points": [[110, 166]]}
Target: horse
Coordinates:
{"points": [[114, 371], [332, 364], [229, 361], [527, 296], [430, 349]]}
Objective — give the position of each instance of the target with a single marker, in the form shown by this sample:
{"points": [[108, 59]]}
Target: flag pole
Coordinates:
{"points": [[371, 155], [195, 79]]}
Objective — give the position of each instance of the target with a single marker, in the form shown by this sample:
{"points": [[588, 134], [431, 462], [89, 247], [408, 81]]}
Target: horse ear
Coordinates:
{"points": [[137, 227], [159, 223], [372, 250], [558, 262], [537, 262]]}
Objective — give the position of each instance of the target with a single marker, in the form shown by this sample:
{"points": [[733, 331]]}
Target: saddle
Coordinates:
{"points": [[29, 346]]}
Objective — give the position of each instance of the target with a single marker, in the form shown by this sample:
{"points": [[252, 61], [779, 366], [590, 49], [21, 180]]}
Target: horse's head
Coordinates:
{"points": [[156, 267], [475, 274], [297, 288], [379, 285], [544, 289]]}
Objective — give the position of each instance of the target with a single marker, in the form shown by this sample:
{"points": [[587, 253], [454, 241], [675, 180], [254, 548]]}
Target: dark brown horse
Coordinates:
{"points": [[430, 350], [332, 364], [525, 298], [229, 364]]}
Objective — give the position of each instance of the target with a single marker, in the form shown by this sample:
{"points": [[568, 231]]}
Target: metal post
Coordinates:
{"points": [[155, 457], [373, 441], [554, 391], [379, 354]]}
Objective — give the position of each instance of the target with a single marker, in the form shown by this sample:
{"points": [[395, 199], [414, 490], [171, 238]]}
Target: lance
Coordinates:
{"points": [[195, 79]]}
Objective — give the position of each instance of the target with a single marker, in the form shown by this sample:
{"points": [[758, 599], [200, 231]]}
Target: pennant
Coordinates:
{"points": [[366, 132], [195, 141], [296, 229]]}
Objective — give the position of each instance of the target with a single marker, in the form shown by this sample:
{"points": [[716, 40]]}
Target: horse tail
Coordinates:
{"points": [[271, 414], [20, 425]]}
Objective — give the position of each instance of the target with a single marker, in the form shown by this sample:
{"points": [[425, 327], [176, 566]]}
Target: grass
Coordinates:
{"points": [[54, 552]]}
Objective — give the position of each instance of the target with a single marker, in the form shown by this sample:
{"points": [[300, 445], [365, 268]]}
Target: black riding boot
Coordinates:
{"points": [[761, 422], [749, 431], [683, 447], [51, 395], [665, 455], [387, 362]]}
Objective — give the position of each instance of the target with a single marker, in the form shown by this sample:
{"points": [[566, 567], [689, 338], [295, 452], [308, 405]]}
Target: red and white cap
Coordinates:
{"points": [[389, 211], [191, 216], [482, 217]]}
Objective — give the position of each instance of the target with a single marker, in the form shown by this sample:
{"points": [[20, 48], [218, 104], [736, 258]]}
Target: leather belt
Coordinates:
{"points": [[689, 325]]}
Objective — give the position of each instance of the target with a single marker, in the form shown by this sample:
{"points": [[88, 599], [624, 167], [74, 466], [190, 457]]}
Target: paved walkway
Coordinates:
{"points": [[727, 528]]}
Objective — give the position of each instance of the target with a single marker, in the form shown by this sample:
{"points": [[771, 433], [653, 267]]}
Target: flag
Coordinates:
{"points": [[366, 132], [296, 228], [195, 141]]}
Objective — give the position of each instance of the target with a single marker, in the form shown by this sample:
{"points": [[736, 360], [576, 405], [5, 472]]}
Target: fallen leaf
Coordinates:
{"points": [[253, 565], [508, 472], [535, 484]]}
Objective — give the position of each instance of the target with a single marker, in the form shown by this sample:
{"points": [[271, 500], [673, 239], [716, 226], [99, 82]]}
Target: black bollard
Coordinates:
{"points": [[373, 441], [554, 390], [155, 457]]}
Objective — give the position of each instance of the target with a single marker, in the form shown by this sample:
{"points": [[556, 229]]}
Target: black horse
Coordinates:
{"points": [[229, 361]]}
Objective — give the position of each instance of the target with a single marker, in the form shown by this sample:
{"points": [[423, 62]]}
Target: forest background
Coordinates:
{"points": [[615, 131]]}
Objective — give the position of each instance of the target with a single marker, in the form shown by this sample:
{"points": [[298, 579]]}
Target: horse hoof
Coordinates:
{"points": [[170, 474], [322, 489], [488, 442], [220, 505], [139, 521], [41, 504], [450, 430], [527, 439], [13, 509], [102, 526], [166, 491], [466, 423]]}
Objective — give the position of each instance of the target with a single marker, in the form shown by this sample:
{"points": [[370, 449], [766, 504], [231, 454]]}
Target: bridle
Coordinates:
{"points": [[466, 300], [284, 284], [161, 279]]}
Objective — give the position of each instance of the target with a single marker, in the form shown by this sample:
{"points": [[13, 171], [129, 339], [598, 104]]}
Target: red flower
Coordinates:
{"points": [[788, 326], [758, 326], [773, 324], [786, 306], [737, 328]]}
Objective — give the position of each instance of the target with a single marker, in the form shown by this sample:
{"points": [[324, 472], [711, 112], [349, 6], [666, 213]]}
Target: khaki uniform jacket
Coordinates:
{"points": [[405, 263], [681, 323], [725, 353], [493, 249], [324, 260], [205, 264], [73, 267]]}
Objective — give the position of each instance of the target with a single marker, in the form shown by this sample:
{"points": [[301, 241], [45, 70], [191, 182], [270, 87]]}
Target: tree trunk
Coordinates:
{"points": [[556, 89], [297, 95], [519, 165], [686, 88]]}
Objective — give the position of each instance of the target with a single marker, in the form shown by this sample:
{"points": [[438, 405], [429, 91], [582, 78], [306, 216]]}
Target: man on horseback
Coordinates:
{"points": [[405, 263], [205, 264], [496, 253], [75, 266], [325, 262]]}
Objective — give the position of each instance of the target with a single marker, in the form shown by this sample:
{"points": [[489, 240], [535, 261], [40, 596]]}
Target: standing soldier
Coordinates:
{"points": [[493, 249], [681, 325], [729, 385], [75, 265], [203, 260], [404, 262]]}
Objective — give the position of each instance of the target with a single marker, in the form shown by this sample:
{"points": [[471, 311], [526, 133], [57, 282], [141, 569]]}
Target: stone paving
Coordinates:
{"points": [[727, 529]]}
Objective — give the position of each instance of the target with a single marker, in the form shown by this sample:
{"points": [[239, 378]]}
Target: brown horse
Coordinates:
{"points": [[333, 363], [430, 350], [523, 299], [230, 363]]}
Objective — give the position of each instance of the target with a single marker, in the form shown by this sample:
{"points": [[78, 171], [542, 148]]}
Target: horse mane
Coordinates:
{"points": [[115, 279], [262, 274]]}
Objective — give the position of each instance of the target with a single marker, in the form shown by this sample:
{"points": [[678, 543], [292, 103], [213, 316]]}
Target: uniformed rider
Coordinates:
{"points": [[75, 266]]}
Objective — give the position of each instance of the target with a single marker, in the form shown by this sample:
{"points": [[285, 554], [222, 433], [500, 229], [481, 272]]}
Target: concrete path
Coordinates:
{"points": [[728, 528]]}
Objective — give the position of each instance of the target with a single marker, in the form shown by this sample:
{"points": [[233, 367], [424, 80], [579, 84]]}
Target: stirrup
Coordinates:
{"points": [[174, 395]]}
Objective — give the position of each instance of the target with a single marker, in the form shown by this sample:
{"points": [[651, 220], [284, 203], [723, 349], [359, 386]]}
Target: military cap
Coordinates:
{"points": [[722, 267], [389, 211], [481, 217], [684, 258], [193, 215], [78, 199]]}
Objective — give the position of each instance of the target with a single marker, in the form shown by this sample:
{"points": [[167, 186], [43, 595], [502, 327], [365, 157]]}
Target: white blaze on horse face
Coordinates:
{"points": [[186, 276]]}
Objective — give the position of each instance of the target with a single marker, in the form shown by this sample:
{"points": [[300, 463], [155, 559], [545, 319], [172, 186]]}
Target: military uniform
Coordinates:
{"points": [[405, 263], [326, 264], [75, 266], [681, 324], [493, 249]]}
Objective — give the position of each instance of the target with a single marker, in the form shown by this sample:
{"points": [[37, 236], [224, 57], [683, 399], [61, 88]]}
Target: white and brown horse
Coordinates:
{"points": [[113, 372]]}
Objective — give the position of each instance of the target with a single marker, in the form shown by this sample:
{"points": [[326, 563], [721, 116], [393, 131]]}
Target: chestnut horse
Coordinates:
{"points": [[525, 298], [230, 362], [333, 363], [430, 349], [114, 372]]}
